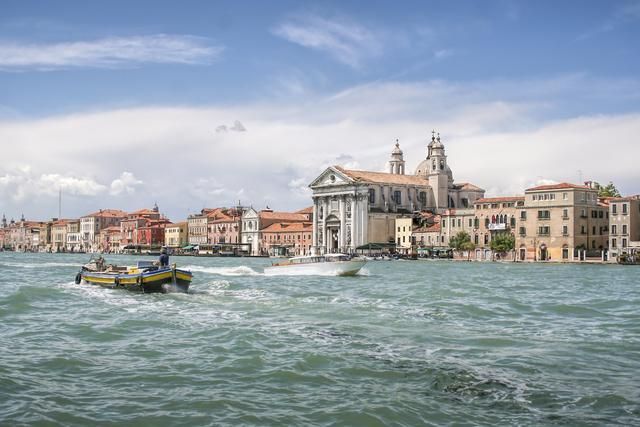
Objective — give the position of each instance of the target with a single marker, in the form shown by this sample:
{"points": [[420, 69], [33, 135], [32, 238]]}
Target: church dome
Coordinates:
{"points": [[423, 168]]}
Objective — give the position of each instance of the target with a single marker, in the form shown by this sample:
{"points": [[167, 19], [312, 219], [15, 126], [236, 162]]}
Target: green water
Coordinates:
{"points": [[406, 343]]}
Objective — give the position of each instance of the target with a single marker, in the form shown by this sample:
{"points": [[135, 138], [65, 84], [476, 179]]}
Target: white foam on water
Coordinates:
{"points": [[40, 264], [241, 270]]}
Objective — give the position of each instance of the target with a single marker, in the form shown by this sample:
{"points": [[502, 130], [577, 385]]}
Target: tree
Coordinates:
{"points": [[503, 242], [459, 240], [468, 246], [608, 190]]}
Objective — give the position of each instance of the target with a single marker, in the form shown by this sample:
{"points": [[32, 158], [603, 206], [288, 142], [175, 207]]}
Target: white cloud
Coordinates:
{"points": [[126, 184], [345, 40], [112, 52], [492, 141], [22, 183]]}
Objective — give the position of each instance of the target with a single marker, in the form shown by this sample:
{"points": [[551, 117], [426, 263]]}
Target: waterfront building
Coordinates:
{"points": [[253, 222], [287, 238], [493, 215], [223, 228], [73, 243], [453, 221], [109, 239], [150, 234], [197, 226], [130, 225], [624, 228], [404, 229], [562, 222], [93, 223], [352, 208], [59, 235], [176, 235]]}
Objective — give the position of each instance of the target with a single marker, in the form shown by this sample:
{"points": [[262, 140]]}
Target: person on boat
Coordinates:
{"points": [[164, 258]]}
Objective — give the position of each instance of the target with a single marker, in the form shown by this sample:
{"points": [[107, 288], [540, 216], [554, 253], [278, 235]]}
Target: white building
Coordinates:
{"points": [[352, 208]]}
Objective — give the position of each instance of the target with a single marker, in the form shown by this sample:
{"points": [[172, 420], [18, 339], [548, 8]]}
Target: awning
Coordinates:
{"points": [[188, 247], [376, 246]]}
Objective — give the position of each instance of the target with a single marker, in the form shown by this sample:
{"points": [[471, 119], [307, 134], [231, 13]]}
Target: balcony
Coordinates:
{"points": [[496, 227]]}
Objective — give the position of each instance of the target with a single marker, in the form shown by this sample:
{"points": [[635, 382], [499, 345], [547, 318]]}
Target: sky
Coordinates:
{"points": [[198, 104]]}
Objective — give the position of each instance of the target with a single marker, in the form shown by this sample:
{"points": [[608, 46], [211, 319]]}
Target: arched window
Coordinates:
{"points": [[441, 164], [476, 224], [434, 164], [486, 222]]}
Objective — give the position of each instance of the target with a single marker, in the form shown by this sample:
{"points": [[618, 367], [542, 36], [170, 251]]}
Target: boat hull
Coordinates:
{"points": [[162, 280], [338, 268]]}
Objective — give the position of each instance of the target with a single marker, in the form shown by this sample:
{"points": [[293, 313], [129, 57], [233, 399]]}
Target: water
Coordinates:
{"points": [[406, 343]]}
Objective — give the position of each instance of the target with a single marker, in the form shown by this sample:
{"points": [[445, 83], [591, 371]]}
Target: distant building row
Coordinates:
{"points": [[217, 230]]}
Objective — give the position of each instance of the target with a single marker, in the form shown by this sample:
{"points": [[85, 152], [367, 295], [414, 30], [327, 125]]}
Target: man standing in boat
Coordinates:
{"points": [[164, 258]]}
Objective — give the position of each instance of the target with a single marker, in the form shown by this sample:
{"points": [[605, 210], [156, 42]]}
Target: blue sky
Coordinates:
{"points": [[86, 84]]}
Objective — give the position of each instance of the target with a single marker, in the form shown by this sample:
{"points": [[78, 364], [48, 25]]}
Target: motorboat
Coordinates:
{"points": [[328, 264], [145, 276]]}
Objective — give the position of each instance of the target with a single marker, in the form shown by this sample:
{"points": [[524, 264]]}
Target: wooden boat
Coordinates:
{"points": [[328, 264], [145, 276]]}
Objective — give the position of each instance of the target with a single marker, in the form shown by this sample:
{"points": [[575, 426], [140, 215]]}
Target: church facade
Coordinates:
{"points": [[353, 208]]}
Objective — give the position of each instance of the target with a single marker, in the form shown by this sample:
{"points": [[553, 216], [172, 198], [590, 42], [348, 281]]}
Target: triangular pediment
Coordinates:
{"points": [[330, 176], [250, 213]]}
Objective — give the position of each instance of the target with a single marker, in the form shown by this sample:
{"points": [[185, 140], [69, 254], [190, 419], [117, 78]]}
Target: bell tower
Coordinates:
{"points": [[396, 163], [438, 172]]}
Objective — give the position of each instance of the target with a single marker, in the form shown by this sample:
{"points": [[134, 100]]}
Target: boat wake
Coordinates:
{"points": [[40, 264], [241, 270]]}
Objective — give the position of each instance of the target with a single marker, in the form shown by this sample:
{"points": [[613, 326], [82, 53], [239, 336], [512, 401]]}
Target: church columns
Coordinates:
{"points": [[314, 233], [342, 235], [354, 223]]}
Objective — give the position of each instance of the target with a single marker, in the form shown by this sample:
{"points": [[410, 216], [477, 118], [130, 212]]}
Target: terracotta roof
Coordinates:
{"points": [[225, 219], [282, 216], [624, 199], [111, 229], [305, 210], [144, 212], [288, 227], [499, 199], [560, 186], [383, 177], [107, 213], [467, 186], [435, 227]]}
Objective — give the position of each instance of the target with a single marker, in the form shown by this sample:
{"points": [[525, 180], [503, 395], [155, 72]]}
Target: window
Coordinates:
{"points": [[543, 230], [583, 230], [593, 230], [513, 221], [565, 230], [397, 197], [614, 243], [444, 223], [565, 196], [523, 231], [398, 229], [624, 228], [475, 239], [552, 196], [565, 213], [486, 222], [614, 208], [614, 229], [523, 214], [470, 223], [594, 214], [459, 222], [465, 202], [476, 223], [624, 243], [544, 215], [486, 239], [583, 213], [624, 208], [535, 197], [423, 197]]}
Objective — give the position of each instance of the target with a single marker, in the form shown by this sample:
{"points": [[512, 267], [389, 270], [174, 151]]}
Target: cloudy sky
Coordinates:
{"points": [[200, 104]]}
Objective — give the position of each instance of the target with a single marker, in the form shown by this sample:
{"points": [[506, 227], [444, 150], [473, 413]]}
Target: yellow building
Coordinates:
{"points": [[561, 222], [175, 235], [404, 228]]}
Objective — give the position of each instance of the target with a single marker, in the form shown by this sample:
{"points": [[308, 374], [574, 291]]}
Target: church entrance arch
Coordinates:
{"points": [[333, 233]]}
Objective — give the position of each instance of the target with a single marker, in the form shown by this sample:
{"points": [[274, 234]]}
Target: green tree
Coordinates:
{"points": [[503, 242], [608, 190], [468, 246], [459, 240]]}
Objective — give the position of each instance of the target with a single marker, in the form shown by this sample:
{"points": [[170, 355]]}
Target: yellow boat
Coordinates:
{"points": [[145, 276]]}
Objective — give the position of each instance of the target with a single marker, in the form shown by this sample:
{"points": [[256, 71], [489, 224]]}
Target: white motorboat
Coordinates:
{"points": [[325, 265]]}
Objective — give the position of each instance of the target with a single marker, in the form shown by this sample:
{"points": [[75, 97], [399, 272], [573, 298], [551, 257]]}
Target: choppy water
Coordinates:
{"points": [[406, 343]]}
